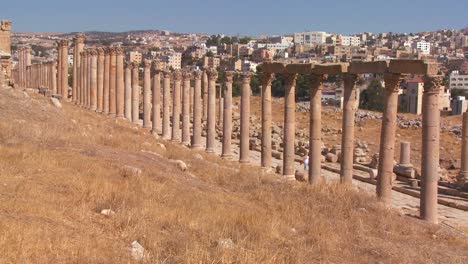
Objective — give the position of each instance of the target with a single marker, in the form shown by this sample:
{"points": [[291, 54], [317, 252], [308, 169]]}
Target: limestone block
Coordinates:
{"points": [[331, 68], [360, 67]]}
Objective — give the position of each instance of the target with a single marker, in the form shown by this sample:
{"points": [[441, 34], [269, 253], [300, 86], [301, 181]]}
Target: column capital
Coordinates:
{"points": [[167, 74], [229, 75], [100, 51], [119, 51], [64, 42], [79, 38], [177, 75], [267, 78], [197, 75], [432, 83], [350, 80], [112, 51], [147, 64], [92, 52], [316, 81], [186, 75], [157, 65], [134, 65], [290, 79], [212, 74], [246, 77], [392, 82]]}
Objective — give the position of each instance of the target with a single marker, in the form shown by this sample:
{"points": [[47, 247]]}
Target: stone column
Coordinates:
{"points": [[315, 129], [113, 82], [105, 94], [64, 66], [245, 118], [430, 148], [53, 78], [147, 94], [177, 77], [166, 133], [267, 78], [347, 138], [79, 44], [462, 178], [93, 82], [227, 119], [387, 138], [186, 108], [205, 94], [220, 106], [59, 67], [119, 85], [128, 92], [156, 100], [100, 79], [82, 78], [135, 94], [289, 126], [88, 78], [197, 111], [2, 77], [212, 75], [85, 78]]}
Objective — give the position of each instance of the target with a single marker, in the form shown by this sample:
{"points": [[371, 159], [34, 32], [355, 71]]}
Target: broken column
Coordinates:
{"points": [[387, 137], [245, 118], [135, 94], [227, 119], [267, 78], [212, 75], [112, 81], [197, 111], [147, 94], [347, 138], [128, 92], [186, 108], [119, 85], [166, 132], [105, 94], [315, 129], [177, 77], [430, 148], [404, 167], [289, 126]]}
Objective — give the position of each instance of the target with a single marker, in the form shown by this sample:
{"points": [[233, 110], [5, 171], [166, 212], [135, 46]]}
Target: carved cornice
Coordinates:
{"points": [[432, 84]]}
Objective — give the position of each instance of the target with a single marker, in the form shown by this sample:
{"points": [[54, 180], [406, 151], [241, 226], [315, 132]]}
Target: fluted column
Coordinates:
{"points": [[245, 118], [100, 79], [105, 94], [53, 78], [119, 83], [186, 108], [212, 75], [88, 78], [205, 94], [227, 118], [197, 111], [64, 66], [156, 99], [347, 138], [315, 129], [82, 79], [166, 133], [85, 78], [128, 92], [135, 94], [113, 82], [147, 94], [387, 138], [177, 77], [267, 78], [430, 148], [78, 48], [93, 81], [289, 126]]}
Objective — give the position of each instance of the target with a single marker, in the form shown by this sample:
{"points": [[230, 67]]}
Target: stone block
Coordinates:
{"points": [[330, 157], [298, 68], [273, 67], [331, 68], [412, 67], [360, 67]]}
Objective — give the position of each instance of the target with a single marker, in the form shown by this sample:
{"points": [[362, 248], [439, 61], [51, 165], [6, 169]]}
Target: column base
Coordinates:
{"points": [[209, 150], [197, 147], [227, 156], [244, 161], [289, 177], [112, 115]]}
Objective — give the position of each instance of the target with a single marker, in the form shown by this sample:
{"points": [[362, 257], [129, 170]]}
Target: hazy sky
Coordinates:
{"points": [[244, 17]]}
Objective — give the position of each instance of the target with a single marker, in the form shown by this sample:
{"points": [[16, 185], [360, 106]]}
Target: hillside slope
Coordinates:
{"points": [[60, 167]]}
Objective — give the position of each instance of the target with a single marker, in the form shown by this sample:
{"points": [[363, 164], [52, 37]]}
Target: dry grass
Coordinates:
{"points": [[60, 167]]}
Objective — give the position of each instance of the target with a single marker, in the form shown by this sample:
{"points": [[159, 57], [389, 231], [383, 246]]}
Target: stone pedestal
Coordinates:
{"points": [[289, 126], [315, 129], [227, 119], [430, 148], [405, 168], [245, 118], [347, 140], [186, 108], [147, 94], [135, 94], [387, 138], [211, 114], [197, 111]]}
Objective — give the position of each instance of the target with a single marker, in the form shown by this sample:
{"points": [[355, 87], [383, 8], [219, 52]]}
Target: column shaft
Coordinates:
{"points": [[197, 111], [147, 94], [119, 83], [347, 139], [245, 118], [315, 129], [212, 75], [186, 108], [177, 76], [135, 94]]}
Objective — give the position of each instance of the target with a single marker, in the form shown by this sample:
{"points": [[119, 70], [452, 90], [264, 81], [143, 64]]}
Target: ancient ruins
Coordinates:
{"points": [[172, 109]]}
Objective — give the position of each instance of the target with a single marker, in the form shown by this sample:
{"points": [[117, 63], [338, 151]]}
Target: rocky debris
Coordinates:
{"points": [[107, 212], [137, 251], [56, 102], [161, 146], [198, 156], [301, 175], [375, 161], [279, 169], [130, 171], [181, 165], [225, 243], [330, 157]]}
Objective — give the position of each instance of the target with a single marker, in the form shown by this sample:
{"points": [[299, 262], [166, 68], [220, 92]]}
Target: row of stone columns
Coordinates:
{"points": [[38, 75], [24, 61]]}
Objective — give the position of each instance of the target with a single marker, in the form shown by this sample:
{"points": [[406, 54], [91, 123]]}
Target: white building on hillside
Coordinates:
{"points": [[350, 41], [310, 38]]}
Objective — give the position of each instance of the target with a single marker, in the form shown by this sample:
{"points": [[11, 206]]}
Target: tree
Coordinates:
{"points": [[245, 40], [373, 97]]}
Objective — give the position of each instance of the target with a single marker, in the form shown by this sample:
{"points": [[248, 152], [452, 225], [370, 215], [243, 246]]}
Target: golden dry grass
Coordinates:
{"points": [[60, 167]]}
